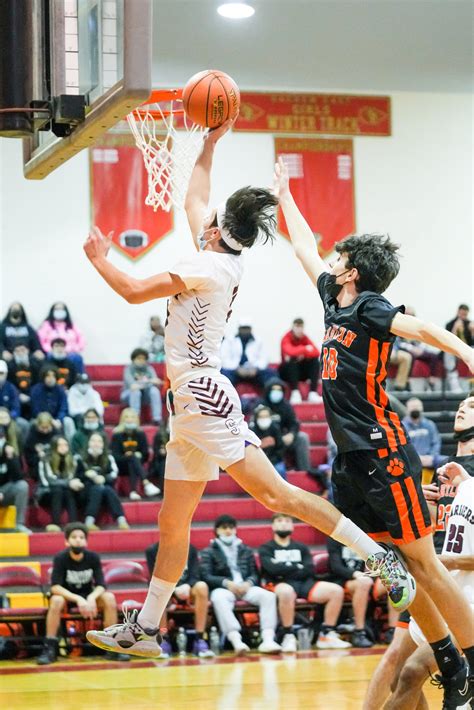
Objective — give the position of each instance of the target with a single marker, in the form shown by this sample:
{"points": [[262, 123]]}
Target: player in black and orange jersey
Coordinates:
{"points": [[377, 473]]}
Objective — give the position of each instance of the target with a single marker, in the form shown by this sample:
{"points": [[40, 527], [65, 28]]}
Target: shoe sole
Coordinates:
{"points": [[97, 641]]}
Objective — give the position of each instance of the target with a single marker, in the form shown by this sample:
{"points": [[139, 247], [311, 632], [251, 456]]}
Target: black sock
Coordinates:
{"points": [[287, 630], [447, 657], [469, 653], [199, 635], [326, 628]]}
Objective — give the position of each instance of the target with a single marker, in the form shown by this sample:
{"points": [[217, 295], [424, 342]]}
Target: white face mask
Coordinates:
{"points": [[91, 426], [264, 423], [95, 451], [83, 388], [59, 314], [228, 539]]}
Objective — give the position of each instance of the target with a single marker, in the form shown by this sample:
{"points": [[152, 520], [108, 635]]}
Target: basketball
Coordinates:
{"points": [[210, 98]]}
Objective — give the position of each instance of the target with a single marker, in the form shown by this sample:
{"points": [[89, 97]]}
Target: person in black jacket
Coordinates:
{"points": [[271, 441], [190, 590], [23, 373], [13, 487], [38, 442], [130, 450], [287, 568], [15, 330], [229, 568]]}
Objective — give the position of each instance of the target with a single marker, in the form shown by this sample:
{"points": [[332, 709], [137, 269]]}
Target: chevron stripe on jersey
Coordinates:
{"points": [[195, 336], [212, 399]]}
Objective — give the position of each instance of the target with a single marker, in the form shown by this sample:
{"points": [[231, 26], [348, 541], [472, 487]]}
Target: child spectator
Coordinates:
{"points": [[130, 451], [23, 373], [154, 340], [59, 485], [66, 369], [38, 442], [77, 580], [98, 471], [48, 396], [269, 433], [58, 324], [141, 385], [13, 487], [82, 397], [15, 330], [90, 424], [299, 362], [244, 358]]}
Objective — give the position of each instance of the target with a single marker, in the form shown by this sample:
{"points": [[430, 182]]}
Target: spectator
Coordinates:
{"points": [[141, 385], [461, 326], [65, 366], [403, 360], [59, 485], [23, 373], [82, 397], [269, 433], [15, 330], [420, 351], [13, 487], [10, 399], [98, 471], [287, 566], [243, 357], [48, 396], [90, 424], [38, 442], [58, 324], [300, 362], [154, 340], [189, 589], [228, 567], [130, 451], [423, 433], [77, 580]]}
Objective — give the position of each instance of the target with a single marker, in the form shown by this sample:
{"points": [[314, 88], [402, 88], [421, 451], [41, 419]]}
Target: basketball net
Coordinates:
{"points": [[169, 144]]}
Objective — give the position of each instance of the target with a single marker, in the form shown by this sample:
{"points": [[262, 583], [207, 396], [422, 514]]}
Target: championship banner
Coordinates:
{"points": [[330, 114], [322, 182], [119, 186]]}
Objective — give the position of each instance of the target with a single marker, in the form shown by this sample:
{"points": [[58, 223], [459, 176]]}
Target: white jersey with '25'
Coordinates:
{"points": [[459, 538]]}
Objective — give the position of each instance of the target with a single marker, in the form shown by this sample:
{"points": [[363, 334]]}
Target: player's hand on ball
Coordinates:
{"points": [[97, 245], [216, 133], [281, 180]]}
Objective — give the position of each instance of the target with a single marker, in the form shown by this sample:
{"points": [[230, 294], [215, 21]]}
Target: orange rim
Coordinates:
{"points": [[156, 97]]}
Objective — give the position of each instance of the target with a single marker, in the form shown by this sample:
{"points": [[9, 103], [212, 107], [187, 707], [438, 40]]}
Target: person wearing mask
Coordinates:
{"points": [[130, 450], [269, 433], [48, 396], [13, 487], [300, 362], [154, 340], [90, 424], [23, 373], [141, 385], [58, 324], [423, 433], [59, 484], [244, 358], [15, 330], [98, 471], [82, 397], [229, 569], [66, 368], [10, 399], [463, 328]]}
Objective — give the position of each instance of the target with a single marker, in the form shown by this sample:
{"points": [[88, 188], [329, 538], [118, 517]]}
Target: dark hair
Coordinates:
{"points": [[464, 306], [298, 321], [48, 368], [374, 256], [67, 320], [137, 352], [103, 460], [225, 520], [281, 515], [250, 212], [24, 319], [70, 527], [55, 341]]}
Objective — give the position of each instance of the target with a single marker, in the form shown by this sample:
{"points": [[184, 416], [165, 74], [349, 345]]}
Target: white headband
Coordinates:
{"points": [[225, 234]]}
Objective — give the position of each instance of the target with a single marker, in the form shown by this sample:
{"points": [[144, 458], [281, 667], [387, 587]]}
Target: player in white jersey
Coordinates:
{"points": [[208, 430]]}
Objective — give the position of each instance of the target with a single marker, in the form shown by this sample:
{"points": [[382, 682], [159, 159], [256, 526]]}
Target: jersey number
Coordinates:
{"points": [[330, 364], [455, 539], [444, 511]]}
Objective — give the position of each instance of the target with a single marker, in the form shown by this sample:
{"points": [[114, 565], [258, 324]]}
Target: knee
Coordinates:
{"points": [[108, 600], [22, 487], [201, 590], [336, 592], [285, 593], [219, 594], [364, 584], [56, 603], [413, 674]]}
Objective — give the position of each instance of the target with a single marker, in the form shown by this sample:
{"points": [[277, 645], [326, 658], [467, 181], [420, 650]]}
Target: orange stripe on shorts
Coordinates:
{"points": [[423, 529]]}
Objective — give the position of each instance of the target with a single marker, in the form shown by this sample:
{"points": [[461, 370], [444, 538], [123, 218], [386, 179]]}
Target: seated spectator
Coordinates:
{"points": [[77, 580], [244, 358], [269, 433], [91, 423], [38, 442], [82, 397], [287, 569], [424, 434], [229, 569], [158, 461], [23, 373], [65, 366], [15, 330], [189, 590], [13, 487], [59, 485], [98, 471], [420, 351], [141, 385], [58, 324], [300, 362], [403, 360], [461, 326], [10, 400], [154, 340], [130, 450], [48, 396]]}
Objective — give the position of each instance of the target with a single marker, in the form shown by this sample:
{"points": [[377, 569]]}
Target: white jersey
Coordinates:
{"points": [[197, 317], [459, 538]]}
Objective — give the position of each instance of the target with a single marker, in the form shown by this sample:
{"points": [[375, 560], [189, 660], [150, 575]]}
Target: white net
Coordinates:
{"points": [[169, 145]]}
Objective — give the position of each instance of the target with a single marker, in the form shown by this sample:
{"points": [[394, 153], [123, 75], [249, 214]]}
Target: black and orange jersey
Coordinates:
{"points": [[443, 505], [354, 359]]}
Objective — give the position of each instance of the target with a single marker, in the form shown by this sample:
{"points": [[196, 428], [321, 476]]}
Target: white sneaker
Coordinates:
{"points": [[53, 528], [129, 637], [315, 398], [288, 645], [295, 397], [151, 490], [239, 646], [269, 647], [331, 640], [135, 496]]}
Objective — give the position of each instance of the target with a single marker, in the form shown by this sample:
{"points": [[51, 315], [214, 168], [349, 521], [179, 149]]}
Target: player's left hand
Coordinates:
{"points": [[97, 245], [281, 180], [216, 133]]}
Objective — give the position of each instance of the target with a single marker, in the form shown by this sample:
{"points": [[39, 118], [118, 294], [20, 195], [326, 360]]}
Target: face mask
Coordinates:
{"points": [[83, 388], [129, 426], [465, 435], [58, 356], [264, 423], [415, 414], [140, 368], [59, 314], [95, 453], [76, 549], [275, 396], [91, 426], [333, 288], [283, 533], [49, 385], [228, 539], [200, 239], [22, 359]]}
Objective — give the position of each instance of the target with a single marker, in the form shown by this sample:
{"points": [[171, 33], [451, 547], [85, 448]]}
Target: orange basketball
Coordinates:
{"points": [[210, 98]]}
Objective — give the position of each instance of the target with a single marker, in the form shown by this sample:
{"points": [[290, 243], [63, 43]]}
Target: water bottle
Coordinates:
{"points": [[304, 643], [214, 641], [181, 641]]}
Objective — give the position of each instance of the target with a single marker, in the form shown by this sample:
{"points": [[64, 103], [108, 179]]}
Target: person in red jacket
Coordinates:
{"points": [[299, 362]]}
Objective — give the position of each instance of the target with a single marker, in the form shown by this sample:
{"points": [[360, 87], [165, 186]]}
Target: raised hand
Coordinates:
{"points": [[216, 133], [97, 245], [281, 179]]}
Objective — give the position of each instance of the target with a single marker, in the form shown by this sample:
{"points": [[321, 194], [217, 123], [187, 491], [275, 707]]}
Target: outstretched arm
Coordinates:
{"points": [[302, 238], [415, 329], [132, 290]]}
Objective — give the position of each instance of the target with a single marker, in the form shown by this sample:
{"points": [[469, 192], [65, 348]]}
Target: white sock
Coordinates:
{"points": [[235, 638], [268, 635], [352, 536], [159, 594], [90, 520]]}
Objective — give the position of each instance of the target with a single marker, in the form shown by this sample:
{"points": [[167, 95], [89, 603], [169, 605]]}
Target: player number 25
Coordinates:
{"points": [[455, 539]]}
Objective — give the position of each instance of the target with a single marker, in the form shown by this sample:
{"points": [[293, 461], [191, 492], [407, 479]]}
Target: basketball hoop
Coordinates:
{"points": [[169, 144]]}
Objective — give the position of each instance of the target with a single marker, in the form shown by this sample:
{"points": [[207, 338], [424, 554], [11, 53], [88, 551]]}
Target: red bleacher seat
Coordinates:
{"points": [[124, 572], [321, 562], [19, 576]]}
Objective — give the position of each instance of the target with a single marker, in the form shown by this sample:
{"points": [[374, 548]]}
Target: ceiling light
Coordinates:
{"points": [[236, 10]]}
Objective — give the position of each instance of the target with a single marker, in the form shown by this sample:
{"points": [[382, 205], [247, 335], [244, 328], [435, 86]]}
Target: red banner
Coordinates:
{"points": [[315, 113], [119, 188], [322, 183]]}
